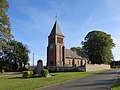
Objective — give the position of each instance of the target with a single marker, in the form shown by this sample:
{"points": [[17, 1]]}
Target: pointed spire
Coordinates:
{"points": [[56, 30]]}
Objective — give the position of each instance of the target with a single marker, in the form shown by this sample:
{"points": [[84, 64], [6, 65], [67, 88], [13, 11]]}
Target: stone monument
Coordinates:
{"points": [[39, 67]]}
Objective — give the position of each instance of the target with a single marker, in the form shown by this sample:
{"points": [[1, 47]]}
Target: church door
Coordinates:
{"points": [[73, 62]]}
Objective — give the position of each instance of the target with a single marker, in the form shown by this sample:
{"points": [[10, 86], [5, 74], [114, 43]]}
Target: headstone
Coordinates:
{"points": [[39, 67]]}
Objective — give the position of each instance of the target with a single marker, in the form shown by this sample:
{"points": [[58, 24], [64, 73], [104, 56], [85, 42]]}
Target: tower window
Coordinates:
{"points": [[52, 40], [59, 40]]}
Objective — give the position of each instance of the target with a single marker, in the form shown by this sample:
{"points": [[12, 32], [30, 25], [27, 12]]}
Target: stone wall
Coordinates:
{"points": [[86, 68], [94, 67], [65, 69]]}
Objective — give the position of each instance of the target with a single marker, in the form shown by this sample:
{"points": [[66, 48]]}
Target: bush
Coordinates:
{"points": [[44, 72], [25, 69], [35, 71], [27, 74]]}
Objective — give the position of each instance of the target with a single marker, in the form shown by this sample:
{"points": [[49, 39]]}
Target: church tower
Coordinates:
{"points": [[55, 49]]}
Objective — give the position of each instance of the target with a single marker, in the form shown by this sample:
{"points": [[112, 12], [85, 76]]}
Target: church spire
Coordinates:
{"points": [[56, 30]]}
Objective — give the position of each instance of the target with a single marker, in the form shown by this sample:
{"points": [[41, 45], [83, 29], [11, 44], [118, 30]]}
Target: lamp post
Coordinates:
{"points": [[34, 58]]}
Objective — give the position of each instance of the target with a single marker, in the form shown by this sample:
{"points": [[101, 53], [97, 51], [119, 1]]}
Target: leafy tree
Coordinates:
{"points": [[20, 53], [16, 56], [5, 31], [76, 49], [98, 47]]}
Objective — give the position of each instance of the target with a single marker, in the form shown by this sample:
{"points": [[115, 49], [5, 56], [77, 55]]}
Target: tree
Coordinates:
{"points": [[98, 47], [16, 56], [5, 31], [20, 53], [76, 49]]}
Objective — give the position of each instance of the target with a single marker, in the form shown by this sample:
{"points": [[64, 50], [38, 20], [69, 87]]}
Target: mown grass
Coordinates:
{"points": [[117, 84], [3, 73], [16, 82]]}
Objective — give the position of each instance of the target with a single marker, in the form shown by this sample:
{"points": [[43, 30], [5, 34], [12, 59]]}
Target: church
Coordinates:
{"points": [[57, 55]]}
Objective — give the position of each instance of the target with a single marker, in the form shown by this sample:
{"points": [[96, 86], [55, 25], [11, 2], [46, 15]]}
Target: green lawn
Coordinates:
{"points": [[3, 73], [16, 82], [117, 85]]}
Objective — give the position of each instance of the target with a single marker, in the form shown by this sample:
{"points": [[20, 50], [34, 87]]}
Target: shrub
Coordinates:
{"points": [[35, 71], [25, 69], [27, 74], [44, 72]]}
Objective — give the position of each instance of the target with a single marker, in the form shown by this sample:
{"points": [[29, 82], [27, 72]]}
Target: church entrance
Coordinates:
{"points": [[73, 62]]}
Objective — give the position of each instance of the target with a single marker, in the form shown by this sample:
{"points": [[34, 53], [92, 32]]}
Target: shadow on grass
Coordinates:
{"points": [[29, 77], [53, 74], [25, 78], [16, 78]]}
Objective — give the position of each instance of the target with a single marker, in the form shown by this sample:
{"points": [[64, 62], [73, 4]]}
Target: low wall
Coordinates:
{"points": [[62, 69], [94, 67], [86, 68]]}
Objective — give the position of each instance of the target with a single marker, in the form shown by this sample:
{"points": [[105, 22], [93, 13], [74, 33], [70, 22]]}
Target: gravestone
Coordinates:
{"points": [[39, 67]]}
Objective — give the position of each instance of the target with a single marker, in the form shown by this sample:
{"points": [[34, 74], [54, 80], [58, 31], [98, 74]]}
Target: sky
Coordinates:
{"points": [[32, 21]]}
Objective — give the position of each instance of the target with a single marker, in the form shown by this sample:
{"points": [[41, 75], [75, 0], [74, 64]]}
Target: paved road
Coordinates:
{"points": [[101, 81]]}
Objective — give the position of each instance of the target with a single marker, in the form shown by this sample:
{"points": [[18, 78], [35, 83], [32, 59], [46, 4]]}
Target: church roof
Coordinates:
{"points": [[56, 30], [80, 53], [70, 54]]}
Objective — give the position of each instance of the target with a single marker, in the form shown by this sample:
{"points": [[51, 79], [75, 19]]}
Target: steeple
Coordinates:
{"points": [[56, 30], [55, 49]]}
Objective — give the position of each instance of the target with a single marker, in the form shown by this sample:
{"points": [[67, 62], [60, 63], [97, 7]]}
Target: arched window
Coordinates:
{"points": [[78, 62], [68, 62]]}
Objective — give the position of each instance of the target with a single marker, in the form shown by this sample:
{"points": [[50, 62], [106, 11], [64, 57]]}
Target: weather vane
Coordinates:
{"points": [[56, 16]]}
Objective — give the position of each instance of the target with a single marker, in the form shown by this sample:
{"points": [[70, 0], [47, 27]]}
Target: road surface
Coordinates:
{"points": [[100, 81]]}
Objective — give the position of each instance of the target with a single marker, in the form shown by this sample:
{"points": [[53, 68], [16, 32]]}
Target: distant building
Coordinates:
{"points": [[57, 55]]}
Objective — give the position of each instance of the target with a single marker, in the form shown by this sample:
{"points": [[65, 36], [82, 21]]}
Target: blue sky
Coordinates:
{"points": [[32, 21]]}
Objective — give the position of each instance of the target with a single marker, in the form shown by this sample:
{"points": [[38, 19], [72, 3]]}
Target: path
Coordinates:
{"points": [[9, 74], [101, 81]]}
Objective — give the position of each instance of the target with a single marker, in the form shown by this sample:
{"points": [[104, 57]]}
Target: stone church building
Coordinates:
{"points": [[57, 55]]}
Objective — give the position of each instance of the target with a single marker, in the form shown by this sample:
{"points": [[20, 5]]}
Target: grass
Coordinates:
{"points": [[3, 73], [16, 82], [117, 84]]}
